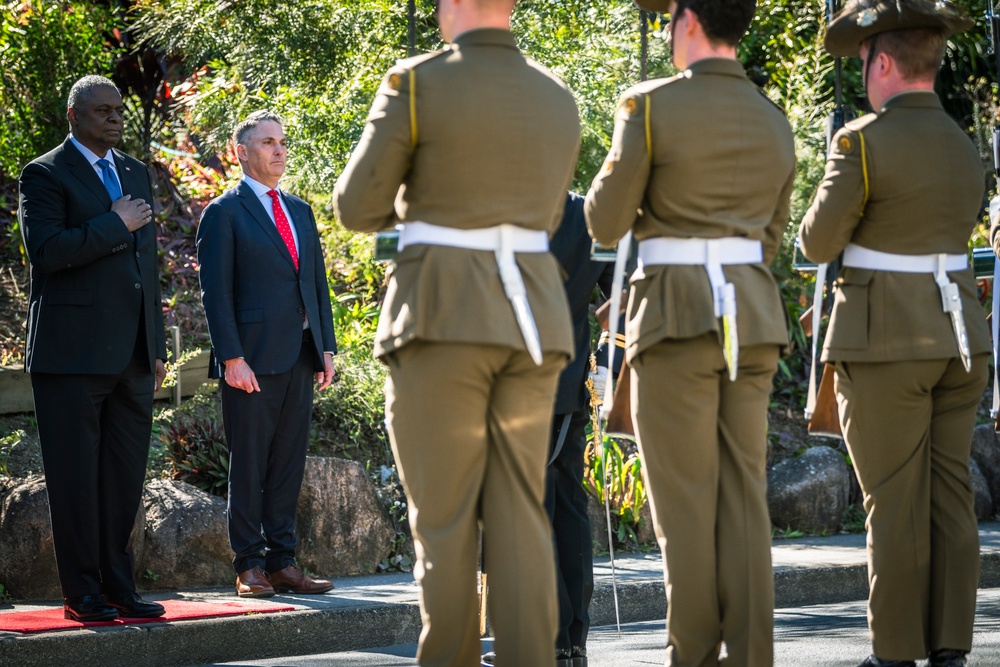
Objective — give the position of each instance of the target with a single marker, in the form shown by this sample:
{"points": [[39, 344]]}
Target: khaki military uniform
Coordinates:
{"points": [[907, 181], [472, 137], [703, 155]]}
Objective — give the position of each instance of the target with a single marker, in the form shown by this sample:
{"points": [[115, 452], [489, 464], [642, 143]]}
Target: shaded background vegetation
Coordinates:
{"points": [[189, 69]]}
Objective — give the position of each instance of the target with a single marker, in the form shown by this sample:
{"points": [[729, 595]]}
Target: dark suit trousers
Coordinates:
{"points": [[566, 503], [267, 432], [94, 432]]}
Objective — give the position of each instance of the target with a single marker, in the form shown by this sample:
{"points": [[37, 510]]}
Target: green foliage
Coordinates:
{"points": [[197, 453], [350, 414], [8, 442], [266, 55], [45, 47], [618, 475], [788, 532], [595, 48], [855, 520], [356, 286]]}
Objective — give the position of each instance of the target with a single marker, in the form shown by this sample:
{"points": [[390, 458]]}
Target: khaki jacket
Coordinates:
{"points": [[473, 136], [719, 162], [924, 192]]}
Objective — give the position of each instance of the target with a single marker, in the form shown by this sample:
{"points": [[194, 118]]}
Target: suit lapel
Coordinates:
{"points": [[83, 171], [256, 209], [129, 179]]}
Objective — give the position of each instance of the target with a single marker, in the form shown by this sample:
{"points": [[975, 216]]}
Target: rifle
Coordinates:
{"points": [[824, 416], [994, 22]]}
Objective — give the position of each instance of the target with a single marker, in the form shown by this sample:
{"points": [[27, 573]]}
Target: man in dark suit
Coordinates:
{"points": [[565, 497], [263, 283], [95, 347]]}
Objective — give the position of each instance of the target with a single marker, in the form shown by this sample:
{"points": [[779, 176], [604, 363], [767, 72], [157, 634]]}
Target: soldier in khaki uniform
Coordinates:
{"points": [[472, 149], [901, 195], [701, 168]]}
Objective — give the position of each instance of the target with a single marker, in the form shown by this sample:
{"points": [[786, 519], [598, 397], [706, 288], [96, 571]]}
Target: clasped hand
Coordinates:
{"points": [[135, 213]]}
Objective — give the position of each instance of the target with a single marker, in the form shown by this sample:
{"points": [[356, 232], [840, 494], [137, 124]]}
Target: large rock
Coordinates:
{"points": [[986, 453], [27, 555], [341, 525], [187, 541], [809, 492], [984, 503]]}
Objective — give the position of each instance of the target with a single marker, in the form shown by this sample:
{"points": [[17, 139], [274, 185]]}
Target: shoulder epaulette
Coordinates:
{"points": [[403, 77]]}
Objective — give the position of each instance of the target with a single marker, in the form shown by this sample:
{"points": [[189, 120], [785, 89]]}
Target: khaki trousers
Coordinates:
{"points": [[703, 442], [908, 426], [469, 427]]}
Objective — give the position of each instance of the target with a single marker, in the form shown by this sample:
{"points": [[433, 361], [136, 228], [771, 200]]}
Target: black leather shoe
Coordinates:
{"points": [[488, 659], [579, 656], [564, 657], [872, 661], [947, 657], [130, 605], [88, 609]]}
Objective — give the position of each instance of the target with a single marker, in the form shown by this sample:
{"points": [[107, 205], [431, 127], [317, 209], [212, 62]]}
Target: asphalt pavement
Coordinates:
{"points": [[830, 635]]}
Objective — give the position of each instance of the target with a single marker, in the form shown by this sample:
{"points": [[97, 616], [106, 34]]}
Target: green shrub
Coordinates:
{"points": [[195, 448], [44, 48], [617, 473], [349, 416]]}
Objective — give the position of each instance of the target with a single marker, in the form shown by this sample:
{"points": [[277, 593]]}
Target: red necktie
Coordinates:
{"points": [[283, 227]]}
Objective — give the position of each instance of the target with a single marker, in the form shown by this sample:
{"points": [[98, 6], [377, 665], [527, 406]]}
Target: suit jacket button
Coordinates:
{"points": [[138, 286], [300, 311]]}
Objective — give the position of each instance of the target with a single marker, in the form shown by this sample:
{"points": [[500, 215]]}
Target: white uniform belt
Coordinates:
{"points": [[662, 250], [712, 254], [860, 257], [504, 241], [487, 238]]}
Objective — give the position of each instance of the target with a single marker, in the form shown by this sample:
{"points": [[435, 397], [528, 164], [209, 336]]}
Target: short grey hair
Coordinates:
{"points": [[85, 87], [243, 130]]}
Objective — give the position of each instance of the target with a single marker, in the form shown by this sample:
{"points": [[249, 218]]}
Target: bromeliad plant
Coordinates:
{"points": [[619, 475], [197, 453]]}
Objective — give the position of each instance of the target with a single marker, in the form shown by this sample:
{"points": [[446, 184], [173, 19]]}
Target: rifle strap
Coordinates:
{"points": [[413, 108], [864, 170], [649, 132]]}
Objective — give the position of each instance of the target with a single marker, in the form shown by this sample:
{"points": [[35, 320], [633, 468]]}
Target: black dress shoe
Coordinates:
{"points": [[579, 656], [88, 609], [872, 661], [947, 657], [130, 605]]}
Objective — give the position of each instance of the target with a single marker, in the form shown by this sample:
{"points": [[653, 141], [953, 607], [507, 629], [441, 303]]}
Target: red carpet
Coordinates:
{"points": [[42, 620]]}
